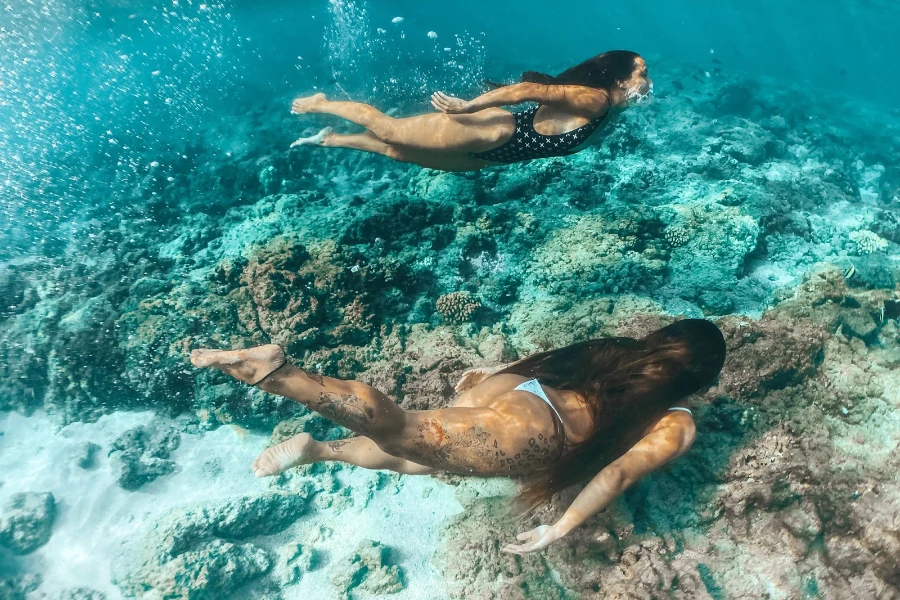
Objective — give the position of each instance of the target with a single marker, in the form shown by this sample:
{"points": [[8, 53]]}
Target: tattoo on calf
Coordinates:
{"points": [[345, 409], [337, 445], [317, 377]]}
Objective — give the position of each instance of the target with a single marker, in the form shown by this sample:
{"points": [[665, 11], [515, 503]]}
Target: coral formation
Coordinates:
{"points": [[868, 242], [457, 307]]}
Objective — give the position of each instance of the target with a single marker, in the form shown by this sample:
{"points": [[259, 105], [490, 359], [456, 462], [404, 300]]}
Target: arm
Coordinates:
{"points": [[586, 101], [474, 376], [668, 439]]}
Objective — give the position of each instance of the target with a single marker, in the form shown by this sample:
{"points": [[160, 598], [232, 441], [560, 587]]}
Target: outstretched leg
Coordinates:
{"points": [[485, 441], [475, 132], [367, 142], [355, 405], [302, 449]]}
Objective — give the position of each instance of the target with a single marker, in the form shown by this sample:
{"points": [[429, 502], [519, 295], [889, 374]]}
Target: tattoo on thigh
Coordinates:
{"points": [[477, 449], [438, 446], [345, 409]]}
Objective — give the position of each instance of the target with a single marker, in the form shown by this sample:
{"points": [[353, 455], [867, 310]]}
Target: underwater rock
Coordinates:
{"points": [[81, 593], [472, 566], [706, 269], [294, 560], [777, 351], [86, 365], [17, 295], [191, 552], [140, 455], [86, 455], [589, 257], [366, 571], [19, 587], [858, 323], [26, 522], [210, 571], [742, 140]]}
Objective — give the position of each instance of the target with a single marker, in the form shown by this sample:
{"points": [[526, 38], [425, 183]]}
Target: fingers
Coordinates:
{"points": [[440, 102], [519, 548], [444, 103]]}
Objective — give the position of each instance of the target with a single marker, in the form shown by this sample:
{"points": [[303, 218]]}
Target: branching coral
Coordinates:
{"points": [[457, 307], [868, 242]]}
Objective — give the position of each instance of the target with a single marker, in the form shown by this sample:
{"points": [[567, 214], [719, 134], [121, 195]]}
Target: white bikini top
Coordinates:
{"points": [[533, 386]]}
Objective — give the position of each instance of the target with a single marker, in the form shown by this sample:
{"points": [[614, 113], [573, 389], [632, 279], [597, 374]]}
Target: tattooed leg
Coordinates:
{"points": [[355, 405], [514, 438], [363, 452], [302, 449]]}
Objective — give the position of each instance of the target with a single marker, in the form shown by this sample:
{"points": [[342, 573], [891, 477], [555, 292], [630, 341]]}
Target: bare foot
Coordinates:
{"points": [[250, 366], [297, 450], [307, 105], [313, 140]]}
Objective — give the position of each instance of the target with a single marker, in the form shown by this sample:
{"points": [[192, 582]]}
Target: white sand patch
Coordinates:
{"points": [[95, 516]]}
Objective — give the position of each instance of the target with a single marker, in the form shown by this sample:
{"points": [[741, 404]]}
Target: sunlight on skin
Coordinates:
{"points": [[462, 439], [668, 439]]}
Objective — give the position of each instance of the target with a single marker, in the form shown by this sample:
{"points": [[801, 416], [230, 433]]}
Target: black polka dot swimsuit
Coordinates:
{"points": [[526, 143]]}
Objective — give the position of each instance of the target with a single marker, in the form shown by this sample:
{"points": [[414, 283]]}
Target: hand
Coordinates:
{"points": [[534, 540], [472, 377], [449, 104]]}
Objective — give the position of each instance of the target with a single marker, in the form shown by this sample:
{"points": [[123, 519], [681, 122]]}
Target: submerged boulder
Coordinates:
{"points": [[366, 571], [141, 454], [26, 522], [198, 552]]}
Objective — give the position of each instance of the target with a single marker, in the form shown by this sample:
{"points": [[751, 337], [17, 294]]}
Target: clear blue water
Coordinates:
{"points": [[149, 204]]}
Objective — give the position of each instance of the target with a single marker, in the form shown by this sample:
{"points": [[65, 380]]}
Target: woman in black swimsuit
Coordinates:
{"points": [[467, 135], [605, 412]]}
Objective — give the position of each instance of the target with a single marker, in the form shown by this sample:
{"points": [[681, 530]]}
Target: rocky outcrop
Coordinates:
{"points": [[197, 552], [140, 455], [26, 522], [366, 571]]}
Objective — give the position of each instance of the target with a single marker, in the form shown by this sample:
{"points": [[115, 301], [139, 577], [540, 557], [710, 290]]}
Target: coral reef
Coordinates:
{"points": [[769, 208], [26, 522], [718, 522]]}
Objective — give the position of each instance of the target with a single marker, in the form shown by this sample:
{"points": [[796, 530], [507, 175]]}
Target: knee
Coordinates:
{"points": [[397, 154], [385, 130]]}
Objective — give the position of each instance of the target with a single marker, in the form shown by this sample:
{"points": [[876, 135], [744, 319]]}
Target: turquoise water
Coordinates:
{"points": [[150, 205]]}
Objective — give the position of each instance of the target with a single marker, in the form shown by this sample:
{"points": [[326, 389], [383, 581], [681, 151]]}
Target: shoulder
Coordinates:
{"points": [[678, 425], [592, 102]]}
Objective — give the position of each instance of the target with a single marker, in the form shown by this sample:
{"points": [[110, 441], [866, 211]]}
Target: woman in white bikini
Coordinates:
{"points": [[603, 410]]}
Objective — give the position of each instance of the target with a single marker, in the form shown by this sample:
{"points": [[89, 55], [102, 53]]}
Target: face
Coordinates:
{"points": [[639, 87]]}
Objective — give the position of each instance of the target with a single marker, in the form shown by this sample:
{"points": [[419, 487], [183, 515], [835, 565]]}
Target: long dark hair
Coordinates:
{"points": [[602, 71], [626, 383]]}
